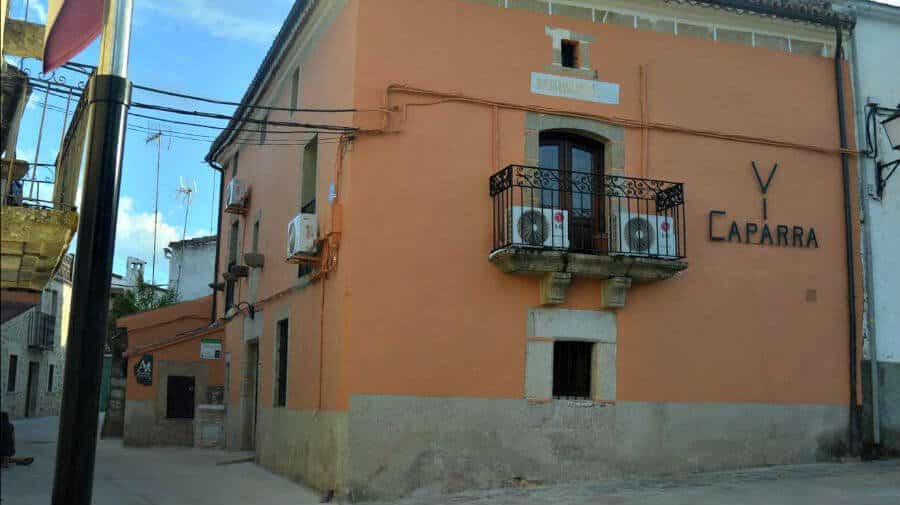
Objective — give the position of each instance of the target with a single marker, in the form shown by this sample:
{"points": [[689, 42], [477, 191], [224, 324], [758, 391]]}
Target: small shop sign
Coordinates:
{"points": [[210, 348]]}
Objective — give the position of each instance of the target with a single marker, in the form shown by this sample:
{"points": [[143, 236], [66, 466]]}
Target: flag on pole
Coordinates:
{"points": [[71, 26]]}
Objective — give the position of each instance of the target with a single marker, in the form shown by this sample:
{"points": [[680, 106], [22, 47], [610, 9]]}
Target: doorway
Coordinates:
{"points": [[574, 183], [180, 397], [31, 393]]}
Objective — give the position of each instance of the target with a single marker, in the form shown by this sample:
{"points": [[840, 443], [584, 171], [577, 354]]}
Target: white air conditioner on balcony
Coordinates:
{"points": [[538, 227], [301, 235], [236, 196], [638, 234]]}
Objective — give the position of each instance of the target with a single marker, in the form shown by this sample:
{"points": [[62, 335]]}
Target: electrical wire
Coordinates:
{"points": [[238, 104], [212, 115]]}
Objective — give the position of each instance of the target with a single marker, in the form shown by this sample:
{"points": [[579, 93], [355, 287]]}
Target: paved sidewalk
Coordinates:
{"points": [[185, 476], [153, 476]]}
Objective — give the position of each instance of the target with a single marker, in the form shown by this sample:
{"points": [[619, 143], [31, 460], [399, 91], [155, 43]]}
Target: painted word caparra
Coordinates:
{"points": [[750, 232]]}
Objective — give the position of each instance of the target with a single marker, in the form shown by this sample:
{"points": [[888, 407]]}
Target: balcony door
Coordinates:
{"points": [[574, 182]]}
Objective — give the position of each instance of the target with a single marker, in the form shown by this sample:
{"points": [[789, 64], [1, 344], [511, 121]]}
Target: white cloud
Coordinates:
{"points": [[134, 237], [219, 21]]}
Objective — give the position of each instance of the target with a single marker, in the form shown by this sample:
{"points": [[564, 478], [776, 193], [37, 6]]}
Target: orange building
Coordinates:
{"points": [[541, 241], [175, 377]]}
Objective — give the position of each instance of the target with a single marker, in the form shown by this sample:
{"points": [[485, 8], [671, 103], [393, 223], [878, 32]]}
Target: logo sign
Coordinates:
{"points": [[143, 370], [750, 232]]}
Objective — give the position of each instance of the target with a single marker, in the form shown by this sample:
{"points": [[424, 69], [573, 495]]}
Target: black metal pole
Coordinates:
{"points": [[74, 477], [108, 94], [855, 427]]}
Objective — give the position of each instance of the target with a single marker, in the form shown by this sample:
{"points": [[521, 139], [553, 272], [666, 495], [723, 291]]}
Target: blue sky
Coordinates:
{"points": [[209, 48]]}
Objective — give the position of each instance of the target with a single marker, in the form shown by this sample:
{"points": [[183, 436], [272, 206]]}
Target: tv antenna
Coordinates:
{"points": [[188, 192], [157, 136]]}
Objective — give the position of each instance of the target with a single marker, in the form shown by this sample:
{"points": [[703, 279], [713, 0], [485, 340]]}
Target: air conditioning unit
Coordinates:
{"points": [[236, 197], [642, 235], [538, 227], [301, 235]]}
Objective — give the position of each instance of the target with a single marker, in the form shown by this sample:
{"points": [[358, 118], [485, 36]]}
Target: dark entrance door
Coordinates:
{"points": [[180, 397], [578, 188], [31, 393]]}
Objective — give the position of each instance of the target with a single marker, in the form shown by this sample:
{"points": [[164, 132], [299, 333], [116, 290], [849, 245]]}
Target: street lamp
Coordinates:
{"points": [[892, 129]]}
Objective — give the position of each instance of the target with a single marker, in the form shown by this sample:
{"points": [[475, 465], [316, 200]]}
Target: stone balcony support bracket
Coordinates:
{"points": [[558, 268]]}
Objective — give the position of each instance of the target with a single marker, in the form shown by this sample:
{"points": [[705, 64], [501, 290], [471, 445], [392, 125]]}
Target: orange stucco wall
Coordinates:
{"points": [[274, 176], [147, 331], [415, 308]]}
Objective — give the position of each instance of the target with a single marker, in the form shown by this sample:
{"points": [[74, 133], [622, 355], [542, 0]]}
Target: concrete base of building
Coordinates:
{"points": [[143, 427], [889, 406], [390, 446], [305, 445], [399, 444]]}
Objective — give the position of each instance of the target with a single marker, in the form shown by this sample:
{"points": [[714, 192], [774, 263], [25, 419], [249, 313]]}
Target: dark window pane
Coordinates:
{"points": [[569, 53], [281, 393], [549, 158], [12, 372], [572, 370]]}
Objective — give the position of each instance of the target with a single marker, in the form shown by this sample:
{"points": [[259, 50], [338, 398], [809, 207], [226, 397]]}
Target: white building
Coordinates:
{"points": [[33, 351], [191, 264], [875, 47]]}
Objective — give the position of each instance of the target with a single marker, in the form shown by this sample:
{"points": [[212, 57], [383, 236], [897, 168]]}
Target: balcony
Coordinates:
{"points": [[37, 198], [41, 328], [559, 224]]}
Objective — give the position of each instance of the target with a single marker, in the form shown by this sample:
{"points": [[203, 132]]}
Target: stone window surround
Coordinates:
{"points": [[545, 326], [557, 35]]}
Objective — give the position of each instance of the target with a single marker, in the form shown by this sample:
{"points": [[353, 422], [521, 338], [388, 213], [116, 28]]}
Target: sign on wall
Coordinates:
{"points": [[760, 233], [210, 348], [143, 370], [577, 89]]}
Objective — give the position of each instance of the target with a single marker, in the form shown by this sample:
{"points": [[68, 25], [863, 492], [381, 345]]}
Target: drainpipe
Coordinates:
{"points": [[217, 167], [868, 277], [854, 427]]}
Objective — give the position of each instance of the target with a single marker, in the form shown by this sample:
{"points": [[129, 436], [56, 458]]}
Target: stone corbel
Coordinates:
{"points": [[553, 287], [613, 292]]}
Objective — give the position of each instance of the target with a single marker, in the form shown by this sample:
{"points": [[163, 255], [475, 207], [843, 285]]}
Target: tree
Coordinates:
{"points": [[142, 298]]}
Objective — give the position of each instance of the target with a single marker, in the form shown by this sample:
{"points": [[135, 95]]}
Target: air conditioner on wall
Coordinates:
{"points": [[538, 227], [301, 235], [638, 234], [236, 196]]}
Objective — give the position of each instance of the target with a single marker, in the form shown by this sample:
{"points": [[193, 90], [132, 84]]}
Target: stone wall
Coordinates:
{"points": [[144, 428], [401, 444], [305, 445], [209, 426]]}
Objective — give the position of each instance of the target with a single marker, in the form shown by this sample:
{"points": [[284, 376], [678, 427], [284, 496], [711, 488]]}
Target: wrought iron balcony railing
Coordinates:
{"points": [[41, 328], [590, 213]]}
